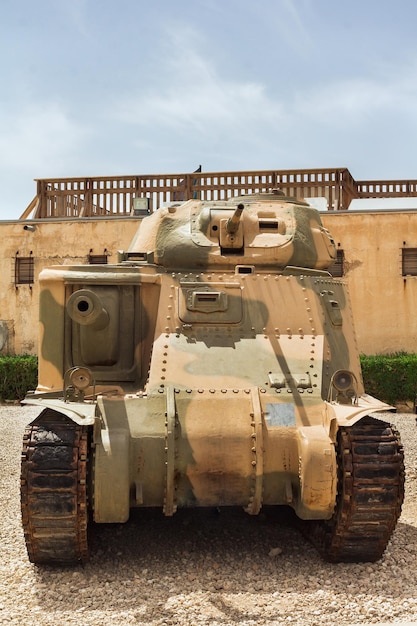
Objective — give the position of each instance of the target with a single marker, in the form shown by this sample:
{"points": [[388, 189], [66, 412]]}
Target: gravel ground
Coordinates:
{"points": [[202, 568]]}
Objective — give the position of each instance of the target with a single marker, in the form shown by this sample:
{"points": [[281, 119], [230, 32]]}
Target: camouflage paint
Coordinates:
{"points": [[212, 360]]}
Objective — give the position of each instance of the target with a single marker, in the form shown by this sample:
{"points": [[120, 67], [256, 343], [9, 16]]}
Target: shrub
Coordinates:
{"points": [[391, 377], [18, 374]]}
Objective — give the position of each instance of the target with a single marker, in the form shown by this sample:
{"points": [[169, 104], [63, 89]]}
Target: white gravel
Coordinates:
{"points": [[202, 568]]}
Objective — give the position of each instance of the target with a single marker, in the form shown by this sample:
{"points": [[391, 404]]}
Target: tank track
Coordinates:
{"points": [[370, 494], [54, 489]]}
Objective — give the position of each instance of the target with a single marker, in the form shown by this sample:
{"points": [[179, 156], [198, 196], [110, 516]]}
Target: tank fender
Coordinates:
{"points": [[317, 473], [348, 414], [82, 413]]}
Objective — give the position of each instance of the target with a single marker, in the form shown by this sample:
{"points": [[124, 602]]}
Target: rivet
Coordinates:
{"points": [[224, 390], [211, 390], [253, 463]]}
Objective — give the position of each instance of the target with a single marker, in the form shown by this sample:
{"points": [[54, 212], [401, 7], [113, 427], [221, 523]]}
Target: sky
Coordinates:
{"points": [[97, 88]]}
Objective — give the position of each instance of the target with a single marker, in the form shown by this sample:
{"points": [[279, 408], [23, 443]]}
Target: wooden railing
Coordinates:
{"points": [[387, 188], [115, 195]]}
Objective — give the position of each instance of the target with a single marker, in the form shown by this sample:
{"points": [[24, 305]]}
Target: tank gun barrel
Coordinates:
{"points": [[233, 222]]}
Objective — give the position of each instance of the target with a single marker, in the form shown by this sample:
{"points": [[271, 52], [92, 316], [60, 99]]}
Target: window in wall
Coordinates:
{"points": [[337, 268], [409, 261], [24, 270]]}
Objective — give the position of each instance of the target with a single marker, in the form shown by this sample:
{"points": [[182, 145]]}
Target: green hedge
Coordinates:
{"points": [[391, 377], [18, 374]]}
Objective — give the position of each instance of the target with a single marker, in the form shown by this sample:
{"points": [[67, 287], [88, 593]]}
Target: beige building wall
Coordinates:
{"points": [[52, 242], [384, 302]]}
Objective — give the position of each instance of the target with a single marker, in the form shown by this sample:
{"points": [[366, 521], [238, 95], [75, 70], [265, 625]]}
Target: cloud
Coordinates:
{"points": [[355, 100], [187, 92], [191, 110], [294, 23], [76, 14], [191, 94], [40, 136]]}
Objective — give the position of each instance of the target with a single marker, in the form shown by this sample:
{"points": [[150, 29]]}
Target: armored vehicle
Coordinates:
{"points": [[214, 365]]}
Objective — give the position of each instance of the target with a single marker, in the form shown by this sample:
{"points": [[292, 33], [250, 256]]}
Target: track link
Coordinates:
{"points": [[54, 489], [370, 494]]}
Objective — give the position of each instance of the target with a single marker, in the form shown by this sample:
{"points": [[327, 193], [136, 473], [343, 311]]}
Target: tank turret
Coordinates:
{"points": [[269, 229], [214, 365]]}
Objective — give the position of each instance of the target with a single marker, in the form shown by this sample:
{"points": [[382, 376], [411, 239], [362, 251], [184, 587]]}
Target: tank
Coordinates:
{"points": [[214, 365]]}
